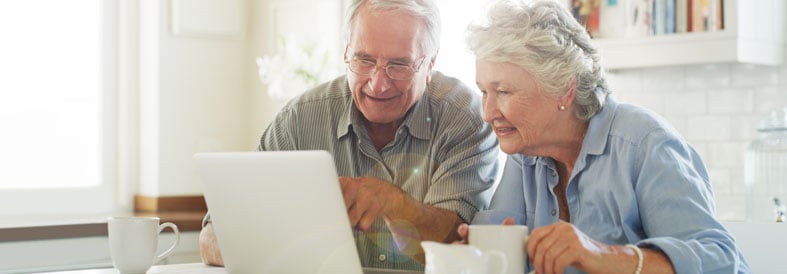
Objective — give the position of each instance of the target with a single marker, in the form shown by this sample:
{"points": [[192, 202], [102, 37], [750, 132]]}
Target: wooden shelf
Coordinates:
{"points": [[687, 49], [88, 226]]}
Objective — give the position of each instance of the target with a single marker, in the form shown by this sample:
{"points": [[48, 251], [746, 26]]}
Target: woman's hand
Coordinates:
{"points": [[554, 247], [462, 230]]}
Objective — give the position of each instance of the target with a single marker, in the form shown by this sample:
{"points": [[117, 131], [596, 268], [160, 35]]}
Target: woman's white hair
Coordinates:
{"points": [[545, 40], [425, 10]]}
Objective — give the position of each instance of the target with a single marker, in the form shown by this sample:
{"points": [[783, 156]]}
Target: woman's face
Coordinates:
{"points": [[522, 116]]}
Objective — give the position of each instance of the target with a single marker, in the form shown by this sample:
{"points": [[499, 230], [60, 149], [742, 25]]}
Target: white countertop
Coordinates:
{"points": [[200, 268], [195, 268]]}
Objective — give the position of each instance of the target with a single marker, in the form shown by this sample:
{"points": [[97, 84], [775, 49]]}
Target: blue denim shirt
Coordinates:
{"points": [[635, 181]]}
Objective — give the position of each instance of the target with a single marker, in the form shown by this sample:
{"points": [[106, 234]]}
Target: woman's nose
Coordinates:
{"points": [[490, 110]]}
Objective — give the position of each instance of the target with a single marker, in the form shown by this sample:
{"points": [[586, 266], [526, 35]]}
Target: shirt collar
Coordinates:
{"points": [[595, 138], [417, 121], [598, 130], [346, 118]]}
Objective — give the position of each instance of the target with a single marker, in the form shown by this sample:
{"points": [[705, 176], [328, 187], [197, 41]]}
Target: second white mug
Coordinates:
{"points": [[511, 240], [133, 242]]}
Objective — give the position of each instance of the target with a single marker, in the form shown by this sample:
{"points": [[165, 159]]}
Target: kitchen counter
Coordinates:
{"points": [[764, 245]]}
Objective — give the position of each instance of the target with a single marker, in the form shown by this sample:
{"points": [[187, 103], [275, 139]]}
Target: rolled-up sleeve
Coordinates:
{"points": [[677, 209]]}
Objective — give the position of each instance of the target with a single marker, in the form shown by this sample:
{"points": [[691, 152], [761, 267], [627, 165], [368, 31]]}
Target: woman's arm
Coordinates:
{"points": [[555, 247]]}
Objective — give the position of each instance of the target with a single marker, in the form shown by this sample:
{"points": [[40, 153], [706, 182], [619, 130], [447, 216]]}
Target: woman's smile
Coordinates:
{"points": [[505, 131]]}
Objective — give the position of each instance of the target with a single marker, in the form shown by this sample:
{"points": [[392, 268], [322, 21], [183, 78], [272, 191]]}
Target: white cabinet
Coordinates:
{"points": [[753, 33]]}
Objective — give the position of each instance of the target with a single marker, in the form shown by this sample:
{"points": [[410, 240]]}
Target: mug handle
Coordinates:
{"points": [[172, 247], [504, 261]]}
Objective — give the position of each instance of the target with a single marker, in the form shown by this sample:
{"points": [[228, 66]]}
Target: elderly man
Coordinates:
{"points": [[409, 142]]}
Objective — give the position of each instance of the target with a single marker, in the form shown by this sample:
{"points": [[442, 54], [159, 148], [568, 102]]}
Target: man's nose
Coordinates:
{"points": [[379, 81]]}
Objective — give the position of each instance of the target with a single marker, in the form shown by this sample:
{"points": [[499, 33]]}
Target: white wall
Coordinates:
{"points": [[193, 89], [199, 90], [314, 21]]}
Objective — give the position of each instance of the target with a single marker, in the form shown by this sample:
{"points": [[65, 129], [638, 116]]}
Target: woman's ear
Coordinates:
{"points": [[567, 99]]}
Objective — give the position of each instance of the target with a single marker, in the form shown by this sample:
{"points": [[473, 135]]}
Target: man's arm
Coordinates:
{"points": [[208, 246], [409, 220], [415, 222], [465, 167]]}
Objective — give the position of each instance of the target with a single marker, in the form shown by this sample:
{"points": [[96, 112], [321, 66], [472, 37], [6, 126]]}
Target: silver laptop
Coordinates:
{"points": [[279, 212]]}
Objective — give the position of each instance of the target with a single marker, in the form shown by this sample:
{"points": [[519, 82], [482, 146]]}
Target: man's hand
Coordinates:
{"points": [[209, 247], [409, 220], [368, 198]]}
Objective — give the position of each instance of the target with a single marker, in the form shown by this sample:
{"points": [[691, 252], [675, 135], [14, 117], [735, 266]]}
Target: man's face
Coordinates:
{"points": [[385, 38]]}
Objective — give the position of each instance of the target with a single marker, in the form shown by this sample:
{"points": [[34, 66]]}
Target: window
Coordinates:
{"points": [[57, 106]]}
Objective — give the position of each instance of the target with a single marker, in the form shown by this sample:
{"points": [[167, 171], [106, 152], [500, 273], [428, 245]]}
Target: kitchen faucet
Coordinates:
{"points": [[780, 210]]}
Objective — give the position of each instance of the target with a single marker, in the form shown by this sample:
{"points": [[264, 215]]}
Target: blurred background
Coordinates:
{"points": [[104, 102]]}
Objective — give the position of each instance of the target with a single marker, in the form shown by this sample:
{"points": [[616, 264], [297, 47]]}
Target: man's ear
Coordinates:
{"points": [[431, 65]]}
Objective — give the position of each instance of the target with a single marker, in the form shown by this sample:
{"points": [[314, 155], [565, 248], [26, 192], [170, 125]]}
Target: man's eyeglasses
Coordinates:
{"points": [[366, 67]]}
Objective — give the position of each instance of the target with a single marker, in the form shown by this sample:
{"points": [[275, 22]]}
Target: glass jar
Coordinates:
{"points": [[765, 170]]}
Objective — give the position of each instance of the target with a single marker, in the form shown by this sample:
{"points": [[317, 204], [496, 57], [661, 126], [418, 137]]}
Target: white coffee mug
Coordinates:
{"points": [[133, 242], [509, 239]]}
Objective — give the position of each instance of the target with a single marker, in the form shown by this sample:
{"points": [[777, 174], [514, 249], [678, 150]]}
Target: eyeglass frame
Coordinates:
{"points": [[387, 65]]}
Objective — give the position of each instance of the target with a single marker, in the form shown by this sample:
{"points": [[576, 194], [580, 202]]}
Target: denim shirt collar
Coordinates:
{"points": [[595, 140]]}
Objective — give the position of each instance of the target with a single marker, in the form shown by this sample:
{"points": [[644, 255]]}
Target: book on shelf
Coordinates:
{"points": [[613, 19], [697, 23], [659, 22], [706, 15], [681, 16], [588, 13], [717, 13], [663, 17], [639, 18], [669, 16]]}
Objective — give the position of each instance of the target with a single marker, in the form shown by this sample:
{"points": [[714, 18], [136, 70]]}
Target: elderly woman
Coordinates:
{"points": [[605, 187]]}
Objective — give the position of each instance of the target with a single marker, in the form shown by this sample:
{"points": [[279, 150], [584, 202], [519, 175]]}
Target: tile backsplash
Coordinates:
{"points": [[716, 108]]}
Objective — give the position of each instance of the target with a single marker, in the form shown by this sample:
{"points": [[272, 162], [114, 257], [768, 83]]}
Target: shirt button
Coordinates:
{"points": [[554, 211], [554, 173], [381, 257]]}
